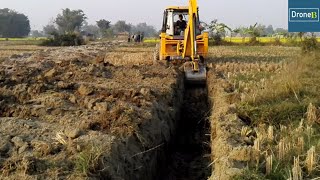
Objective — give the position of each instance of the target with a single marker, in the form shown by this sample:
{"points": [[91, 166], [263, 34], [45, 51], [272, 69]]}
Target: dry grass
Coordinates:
{"points": [[296, 170], [10, 48], [311, 114], [269, 163], [251, 54], [300, 145], [277, 89], [61, 138], [285, 95], [249, 67], [89, 161], [296, 150], [130, 56], [245, 131], [311, 160], [270, 134]]}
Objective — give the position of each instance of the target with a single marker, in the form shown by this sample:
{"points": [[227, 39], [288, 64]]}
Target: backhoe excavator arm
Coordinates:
{"points": [[190, 42], [195, 71]]}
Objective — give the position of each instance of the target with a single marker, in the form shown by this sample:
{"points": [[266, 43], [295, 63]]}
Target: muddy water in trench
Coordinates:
{"points": [[189, 155]]}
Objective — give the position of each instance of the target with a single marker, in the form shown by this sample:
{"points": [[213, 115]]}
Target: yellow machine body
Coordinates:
{"points": [[170, 47], [191, 46]]}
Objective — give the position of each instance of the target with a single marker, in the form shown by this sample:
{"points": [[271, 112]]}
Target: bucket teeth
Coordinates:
{"points": [[195, 77]]}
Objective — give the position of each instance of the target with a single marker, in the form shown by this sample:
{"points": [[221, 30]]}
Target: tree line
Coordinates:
{"points": [[75, 21], [15, 25]]}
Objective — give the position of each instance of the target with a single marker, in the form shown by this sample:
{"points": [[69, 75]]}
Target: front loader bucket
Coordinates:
{"points": [[192, 77]]}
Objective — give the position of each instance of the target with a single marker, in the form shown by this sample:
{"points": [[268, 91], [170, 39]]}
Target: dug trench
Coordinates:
{"points": [[188, 157], [181, 135], [180, 132]]}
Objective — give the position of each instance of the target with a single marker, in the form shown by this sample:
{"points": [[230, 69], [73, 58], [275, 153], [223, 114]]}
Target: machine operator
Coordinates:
{"points": [[181, 25]]}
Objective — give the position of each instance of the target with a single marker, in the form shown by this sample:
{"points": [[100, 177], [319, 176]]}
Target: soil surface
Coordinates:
{"points": [[71, 113]]}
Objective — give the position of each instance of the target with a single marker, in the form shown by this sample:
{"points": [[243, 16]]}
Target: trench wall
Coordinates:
{"points": [[143, 154], [229, 152]]}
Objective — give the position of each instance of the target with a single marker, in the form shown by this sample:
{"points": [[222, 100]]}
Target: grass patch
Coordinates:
{"points": [[275, 112], [253, 54], [21, 42], [252, 77], [292, 150], [284, 112], [89, 161], [249, 175], [287, 95]]}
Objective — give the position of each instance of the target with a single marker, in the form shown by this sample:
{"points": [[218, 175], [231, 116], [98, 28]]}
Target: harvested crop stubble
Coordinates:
{"points": [[130, 56], [244, 73], [7, 51], [274, 107]]}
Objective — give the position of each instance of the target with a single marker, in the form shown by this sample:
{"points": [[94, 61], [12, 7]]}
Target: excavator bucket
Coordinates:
{"points": [[195, 77]]}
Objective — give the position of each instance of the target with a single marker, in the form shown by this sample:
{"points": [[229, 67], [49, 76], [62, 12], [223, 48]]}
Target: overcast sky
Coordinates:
{"points": [[234, 13]]}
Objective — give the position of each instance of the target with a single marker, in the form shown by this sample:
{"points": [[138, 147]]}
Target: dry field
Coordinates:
{"points": [[271, 108], [9, 48], [105, 111]]}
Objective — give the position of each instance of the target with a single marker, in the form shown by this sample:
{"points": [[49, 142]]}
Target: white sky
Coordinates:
{"points": [[234, 13]]}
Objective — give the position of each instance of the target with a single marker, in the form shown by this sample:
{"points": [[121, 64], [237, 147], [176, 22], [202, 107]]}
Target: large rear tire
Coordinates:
{"points": [[156, 54]]}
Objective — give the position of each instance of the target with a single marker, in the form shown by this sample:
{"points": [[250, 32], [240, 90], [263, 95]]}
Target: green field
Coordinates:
{"points": [[23, 39], [240, 40]]}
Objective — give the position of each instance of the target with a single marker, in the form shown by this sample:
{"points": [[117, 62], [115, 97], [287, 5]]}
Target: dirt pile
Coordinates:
{"points": [[70, 113]]}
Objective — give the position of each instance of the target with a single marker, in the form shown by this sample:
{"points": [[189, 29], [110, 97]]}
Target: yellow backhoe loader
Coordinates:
{"points": [[188, 44]]}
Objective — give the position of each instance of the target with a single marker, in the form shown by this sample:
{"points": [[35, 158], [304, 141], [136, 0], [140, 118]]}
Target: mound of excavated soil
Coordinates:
{"points": [[70, 113]]}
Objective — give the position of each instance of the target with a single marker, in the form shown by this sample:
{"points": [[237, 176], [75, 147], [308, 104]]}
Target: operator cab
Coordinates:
{"points": [[170, 18]]}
